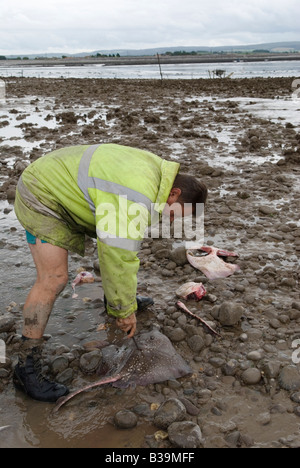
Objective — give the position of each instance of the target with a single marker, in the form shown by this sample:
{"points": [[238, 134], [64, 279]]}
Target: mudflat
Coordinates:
{"points": [[242, 138]]}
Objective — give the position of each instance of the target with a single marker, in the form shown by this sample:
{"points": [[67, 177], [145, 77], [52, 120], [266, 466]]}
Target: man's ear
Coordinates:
{"points": [[174, 195]]}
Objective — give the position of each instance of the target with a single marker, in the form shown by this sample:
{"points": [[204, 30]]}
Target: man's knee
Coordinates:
{"points": [[61, 283], [55, 283]]}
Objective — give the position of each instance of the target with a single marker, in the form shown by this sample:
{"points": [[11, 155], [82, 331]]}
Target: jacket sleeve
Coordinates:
{"points": [[119, 270], [120, 226]]}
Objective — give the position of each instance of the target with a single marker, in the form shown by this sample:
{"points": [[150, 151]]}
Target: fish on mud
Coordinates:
{"points": [[191, 290], [82, 277], [207, 260], [149, 358]]}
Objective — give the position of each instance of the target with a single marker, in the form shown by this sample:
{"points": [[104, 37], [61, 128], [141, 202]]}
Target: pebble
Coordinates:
{"points": [[251, 376], [264, 418], [65, 377], [7, 323], [59, 365], [233, 439], [230, 367], [271, 369], [175, 334], [125, 419], [267, 210], [289, 378], [254, 356], [179, 256], [295, 397], [190, 407], [230, 313], [185, 434], [89, 362], [288, 282], [170, 411], [142, 410], [196, 343]]}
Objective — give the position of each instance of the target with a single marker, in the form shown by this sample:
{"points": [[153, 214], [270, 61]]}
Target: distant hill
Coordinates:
{"points": [[271, 47]]}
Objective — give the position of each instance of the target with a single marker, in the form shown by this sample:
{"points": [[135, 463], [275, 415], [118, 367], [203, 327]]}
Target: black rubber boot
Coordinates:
{"points": [[142, 302], [29, 379]]}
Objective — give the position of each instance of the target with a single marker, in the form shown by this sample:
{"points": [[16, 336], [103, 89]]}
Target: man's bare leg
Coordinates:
{"points": [[52, 276]]}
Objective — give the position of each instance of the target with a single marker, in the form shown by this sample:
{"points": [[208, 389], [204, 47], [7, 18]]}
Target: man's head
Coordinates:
{"points": [[186, 190]]}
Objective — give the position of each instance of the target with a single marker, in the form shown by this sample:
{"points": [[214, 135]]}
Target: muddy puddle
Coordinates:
{"points": [[242, 138]]}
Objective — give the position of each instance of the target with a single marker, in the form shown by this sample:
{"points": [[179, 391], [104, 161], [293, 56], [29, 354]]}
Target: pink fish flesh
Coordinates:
{"points": [[209, 262], [191, 290], [183, 307], [83, 277]]}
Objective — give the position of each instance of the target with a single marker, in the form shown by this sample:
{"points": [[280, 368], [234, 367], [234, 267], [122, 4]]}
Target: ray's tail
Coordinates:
{"points": [[63, 400]]}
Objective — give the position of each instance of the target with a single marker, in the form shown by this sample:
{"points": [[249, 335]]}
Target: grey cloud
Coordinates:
{"points": [[73, 25]]}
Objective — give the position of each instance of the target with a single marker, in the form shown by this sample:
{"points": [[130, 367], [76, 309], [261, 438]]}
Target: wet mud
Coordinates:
{"points": [[241, 137]]}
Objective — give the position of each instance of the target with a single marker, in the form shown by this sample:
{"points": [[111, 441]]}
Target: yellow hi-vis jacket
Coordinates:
{"points": [[109, 191]]}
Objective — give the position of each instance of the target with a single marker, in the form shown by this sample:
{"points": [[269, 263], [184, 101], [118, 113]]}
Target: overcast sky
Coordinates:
{"points": [[34, 26]]}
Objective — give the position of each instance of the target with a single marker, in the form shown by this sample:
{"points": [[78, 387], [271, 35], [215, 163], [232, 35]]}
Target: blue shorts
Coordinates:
{"points": [[31, 239]]}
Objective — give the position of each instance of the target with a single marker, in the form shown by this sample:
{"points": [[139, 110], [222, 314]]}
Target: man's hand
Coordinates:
{"points": [[127, 324]]}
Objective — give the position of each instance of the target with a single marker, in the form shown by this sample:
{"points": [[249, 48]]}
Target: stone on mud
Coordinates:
{"points": [[59, 365], [251, 376], [125, 419], [170, 411], [185, 434], [179, 256], [289, 378], [267, 210], [65, 377], [230, 314], [7, 323], [196, 343], [175, 334], [89, 362]]}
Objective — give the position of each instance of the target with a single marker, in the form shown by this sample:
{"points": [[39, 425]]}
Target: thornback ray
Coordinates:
{"points": [[150, 359]]}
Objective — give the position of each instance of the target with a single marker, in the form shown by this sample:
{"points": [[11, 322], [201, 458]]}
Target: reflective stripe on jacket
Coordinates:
{"points": [[108, 189]]}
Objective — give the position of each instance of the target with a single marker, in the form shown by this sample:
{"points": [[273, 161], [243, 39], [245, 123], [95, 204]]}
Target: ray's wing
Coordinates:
{"points": [[158, 361]]}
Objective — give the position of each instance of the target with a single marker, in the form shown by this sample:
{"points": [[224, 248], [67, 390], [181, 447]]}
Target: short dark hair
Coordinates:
{"points": [[192, 190]]}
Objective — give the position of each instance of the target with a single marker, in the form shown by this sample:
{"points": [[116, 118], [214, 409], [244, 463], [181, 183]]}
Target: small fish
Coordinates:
{"points": [[206, 259], [191, 290], [83, 277]]}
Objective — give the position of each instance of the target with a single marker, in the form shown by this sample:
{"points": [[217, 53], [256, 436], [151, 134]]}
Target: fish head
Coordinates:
{"points": [[86, 277], [191, 290], [146, 340]]}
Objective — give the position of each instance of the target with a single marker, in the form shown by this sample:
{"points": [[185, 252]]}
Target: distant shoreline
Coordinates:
{"points": [[150, 60]]}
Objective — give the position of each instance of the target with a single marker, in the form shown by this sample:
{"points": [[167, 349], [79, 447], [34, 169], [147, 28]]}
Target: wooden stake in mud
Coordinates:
{"points": [[161, 75]]}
